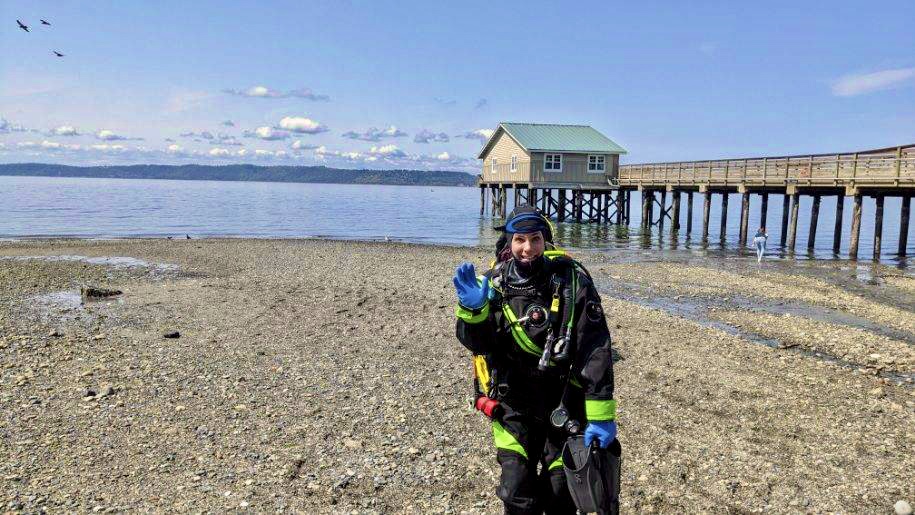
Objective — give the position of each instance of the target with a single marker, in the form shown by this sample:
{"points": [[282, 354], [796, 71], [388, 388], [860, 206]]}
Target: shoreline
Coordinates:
{"points": [[323, 375], [686, 252]]}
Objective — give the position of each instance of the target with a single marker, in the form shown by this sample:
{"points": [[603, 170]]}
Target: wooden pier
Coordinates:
{"points": [[880, 173]]}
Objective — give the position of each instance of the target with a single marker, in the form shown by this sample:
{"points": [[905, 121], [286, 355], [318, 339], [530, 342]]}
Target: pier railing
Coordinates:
{"points": [[891, 167]]}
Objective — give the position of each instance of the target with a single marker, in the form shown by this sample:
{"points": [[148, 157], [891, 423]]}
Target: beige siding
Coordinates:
{"points": [[574, 169], [502, 150]]}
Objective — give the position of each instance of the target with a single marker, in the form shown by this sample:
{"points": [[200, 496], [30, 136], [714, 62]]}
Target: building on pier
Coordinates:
{"points": [[534, 159]]}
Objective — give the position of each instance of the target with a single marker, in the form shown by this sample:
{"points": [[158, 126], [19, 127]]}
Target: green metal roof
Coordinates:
{"points": [[543, 137]]}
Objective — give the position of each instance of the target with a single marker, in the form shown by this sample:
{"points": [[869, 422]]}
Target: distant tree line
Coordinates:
{"points": [[244, 172]]}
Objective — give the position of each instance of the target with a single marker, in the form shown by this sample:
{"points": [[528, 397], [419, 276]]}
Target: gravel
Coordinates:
{"points": [[324, 376]]}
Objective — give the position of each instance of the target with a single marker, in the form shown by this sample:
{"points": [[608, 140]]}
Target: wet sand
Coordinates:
{"points": [[324, 376]]}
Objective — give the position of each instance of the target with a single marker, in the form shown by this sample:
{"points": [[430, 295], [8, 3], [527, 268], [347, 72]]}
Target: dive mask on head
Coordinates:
{"points": [[523, 219]]}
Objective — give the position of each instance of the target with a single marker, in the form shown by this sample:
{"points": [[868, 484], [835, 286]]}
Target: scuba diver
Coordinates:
{"points": [[542, 360]]}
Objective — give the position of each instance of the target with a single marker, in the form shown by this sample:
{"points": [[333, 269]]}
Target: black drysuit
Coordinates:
{"points": [[523, 434]]}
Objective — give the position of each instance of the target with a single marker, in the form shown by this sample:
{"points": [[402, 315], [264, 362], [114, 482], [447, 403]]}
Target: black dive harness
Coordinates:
{"points": [[557, 349]]}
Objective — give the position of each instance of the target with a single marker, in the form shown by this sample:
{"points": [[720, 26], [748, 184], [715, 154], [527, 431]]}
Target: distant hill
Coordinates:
{"points": [[319, 174]]}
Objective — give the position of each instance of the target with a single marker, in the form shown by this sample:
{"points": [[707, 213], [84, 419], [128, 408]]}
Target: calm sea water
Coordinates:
{"points": [[112, 208]]}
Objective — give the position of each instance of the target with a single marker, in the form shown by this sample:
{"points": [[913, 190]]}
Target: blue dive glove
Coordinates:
{"points": [[471, 294], [603, 432]]}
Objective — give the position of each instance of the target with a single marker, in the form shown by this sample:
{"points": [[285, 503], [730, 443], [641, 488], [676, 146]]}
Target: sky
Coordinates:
{"points": [[420, 85]]}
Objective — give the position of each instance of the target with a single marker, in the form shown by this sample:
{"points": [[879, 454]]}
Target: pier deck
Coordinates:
{"points": [[879, 173]]}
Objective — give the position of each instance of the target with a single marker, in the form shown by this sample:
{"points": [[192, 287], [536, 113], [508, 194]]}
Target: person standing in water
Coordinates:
{"points": [[760, 241]]}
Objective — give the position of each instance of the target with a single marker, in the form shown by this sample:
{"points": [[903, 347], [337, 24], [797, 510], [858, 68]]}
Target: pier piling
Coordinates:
{"points": [[837, 234], [814, 218], [577, 204], [675, 220], [786, 207], [792, 224], [878, 226], [744, 217], [503, 203], [855, 227], [663, 210], [764, 210], [689, 213], [646, 208], [904, 215], [706, 211], [724, 215]]}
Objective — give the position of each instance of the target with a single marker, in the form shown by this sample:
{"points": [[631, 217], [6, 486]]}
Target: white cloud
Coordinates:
{"points": [[427, 136], [64, 130], [226, 139], [269, 133], [107, 135], [375, 134], [51, 146], [859, 84], [265, 92], [7, 127], [260, 91], [219, 152], [444, 156], [207, 135], [301, 125], [175, 149], [480, 134], [387, 151], [104, 147], [323, 153]]}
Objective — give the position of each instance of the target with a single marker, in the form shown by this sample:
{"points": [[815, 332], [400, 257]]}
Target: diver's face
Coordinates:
{"points": [[527, 246]]}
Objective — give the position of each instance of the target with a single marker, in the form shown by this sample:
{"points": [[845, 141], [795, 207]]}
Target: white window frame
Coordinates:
{"points": [[493, 163], [596, 158], [514, 166], [552, 170]]}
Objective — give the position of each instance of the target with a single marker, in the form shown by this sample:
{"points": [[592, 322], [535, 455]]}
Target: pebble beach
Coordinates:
{"points": [[318, 376]]}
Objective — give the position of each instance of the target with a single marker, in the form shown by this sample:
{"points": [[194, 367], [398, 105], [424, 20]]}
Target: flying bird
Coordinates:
{"points": [[44, 22], [58, 54], [22, 26]]}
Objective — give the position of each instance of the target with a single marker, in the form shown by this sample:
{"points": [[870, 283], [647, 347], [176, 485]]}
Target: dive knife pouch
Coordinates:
{"points": [[593, 475]]}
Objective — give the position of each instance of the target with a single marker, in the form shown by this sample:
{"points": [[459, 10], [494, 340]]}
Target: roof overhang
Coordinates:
{"points": [[492, 141]]}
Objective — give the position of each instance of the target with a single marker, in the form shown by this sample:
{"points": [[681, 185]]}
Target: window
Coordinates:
{"points": [[494, 164], [552, 162], [596, 164], [514, 167]]}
